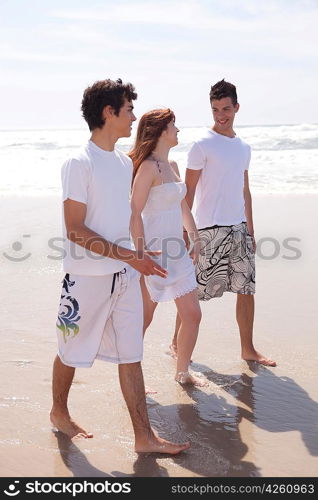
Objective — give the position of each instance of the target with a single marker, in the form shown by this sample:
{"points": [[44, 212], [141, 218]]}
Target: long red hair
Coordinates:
{"points": [[150, 128]]}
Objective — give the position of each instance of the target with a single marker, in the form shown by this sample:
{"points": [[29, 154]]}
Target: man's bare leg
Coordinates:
{"points": [[60, 417], [149, 308], [133, 389], [245, 319]]}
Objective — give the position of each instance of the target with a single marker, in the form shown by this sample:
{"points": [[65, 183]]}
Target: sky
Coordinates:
{"points": [[172, 51]]}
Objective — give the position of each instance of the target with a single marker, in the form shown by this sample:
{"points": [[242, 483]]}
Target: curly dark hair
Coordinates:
{"points": [[105, 93], [223, 89]]}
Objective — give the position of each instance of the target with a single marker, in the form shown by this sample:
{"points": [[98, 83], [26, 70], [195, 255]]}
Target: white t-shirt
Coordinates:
{"points": [[100, 179], [219, 196]]}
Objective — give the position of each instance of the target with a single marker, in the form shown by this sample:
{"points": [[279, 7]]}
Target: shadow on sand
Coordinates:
{"points": [[74, 458], [265, 400], [277, 404], [211, 423]]}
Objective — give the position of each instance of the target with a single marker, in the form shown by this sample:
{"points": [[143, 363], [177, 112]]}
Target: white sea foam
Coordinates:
{"points": [[284, 157]]}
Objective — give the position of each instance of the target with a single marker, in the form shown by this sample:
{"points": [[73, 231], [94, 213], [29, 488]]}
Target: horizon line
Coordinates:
{"points": [[54, 128]]}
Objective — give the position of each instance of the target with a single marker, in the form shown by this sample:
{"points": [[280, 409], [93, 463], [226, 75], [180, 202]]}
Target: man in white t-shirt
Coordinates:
{"points": [[217, 182], [100, 314]]}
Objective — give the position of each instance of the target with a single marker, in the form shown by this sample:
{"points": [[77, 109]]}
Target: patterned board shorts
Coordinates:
{"points": [[226, 262]]}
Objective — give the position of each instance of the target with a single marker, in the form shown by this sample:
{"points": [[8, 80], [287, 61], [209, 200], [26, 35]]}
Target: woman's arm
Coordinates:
{"points": [[143, 181]]}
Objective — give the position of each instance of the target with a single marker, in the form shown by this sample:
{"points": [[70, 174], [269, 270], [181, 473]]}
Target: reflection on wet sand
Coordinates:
{"points": [[265, 400], [215, 426], [212, 426]]}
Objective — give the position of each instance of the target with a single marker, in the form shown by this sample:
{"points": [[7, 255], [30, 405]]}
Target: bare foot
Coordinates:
{"points": [[65, 424], [259, 358], [189, 378], [148, 390], [156, 444]]}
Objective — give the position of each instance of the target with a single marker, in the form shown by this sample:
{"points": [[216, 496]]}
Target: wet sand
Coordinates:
{"points": [[249, 421]]}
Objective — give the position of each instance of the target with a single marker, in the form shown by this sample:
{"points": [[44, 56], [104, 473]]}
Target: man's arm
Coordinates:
{"points": [[79, 233], [191, 180], [248, 206]]}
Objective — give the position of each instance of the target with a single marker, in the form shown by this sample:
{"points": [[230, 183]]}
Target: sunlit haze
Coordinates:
{"points": [[172, 51]]}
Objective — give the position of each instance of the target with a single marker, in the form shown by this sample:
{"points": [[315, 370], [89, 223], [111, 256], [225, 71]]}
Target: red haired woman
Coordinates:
{"points": [[159, 214]]}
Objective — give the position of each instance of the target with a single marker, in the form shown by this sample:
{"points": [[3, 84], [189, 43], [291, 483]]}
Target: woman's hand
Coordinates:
{"points": [[186, 239], [195, 251]]}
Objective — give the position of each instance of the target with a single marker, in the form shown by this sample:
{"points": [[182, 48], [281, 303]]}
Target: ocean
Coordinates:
{"points": [[247, 420], [284, 157]]}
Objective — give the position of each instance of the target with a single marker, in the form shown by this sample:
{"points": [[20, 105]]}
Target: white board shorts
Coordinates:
{"points": [[100, 317]]}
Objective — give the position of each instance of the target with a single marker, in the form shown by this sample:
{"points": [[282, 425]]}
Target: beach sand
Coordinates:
{"points": [[249, 421]]}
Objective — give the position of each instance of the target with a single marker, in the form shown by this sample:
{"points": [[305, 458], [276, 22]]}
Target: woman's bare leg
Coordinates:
{"points": [[148, 305], [174, 342], [190, 316]]}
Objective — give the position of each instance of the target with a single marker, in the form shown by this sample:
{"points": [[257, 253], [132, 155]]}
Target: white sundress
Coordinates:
{"points": [[163, 227]]}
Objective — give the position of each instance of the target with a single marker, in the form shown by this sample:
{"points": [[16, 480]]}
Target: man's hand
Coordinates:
{"points": [[251, 235], [145, 265], [254, 243]]}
